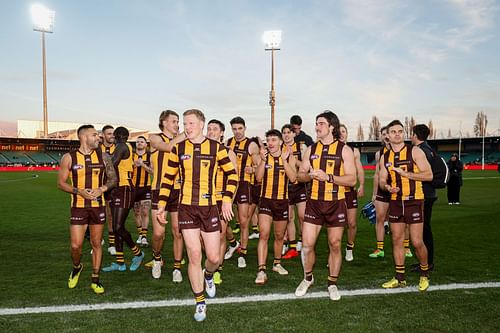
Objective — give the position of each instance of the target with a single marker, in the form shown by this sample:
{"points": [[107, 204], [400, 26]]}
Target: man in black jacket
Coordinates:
{"points": [[419, 138]]}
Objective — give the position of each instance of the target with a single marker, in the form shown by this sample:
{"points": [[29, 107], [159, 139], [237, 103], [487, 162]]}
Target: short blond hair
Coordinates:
{"points": [[195, 112]]}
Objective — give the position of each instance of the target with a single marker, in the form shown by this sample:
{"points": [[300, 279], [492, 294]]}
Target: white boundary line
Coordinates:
{"points": [[33, 177], [233, 300]]}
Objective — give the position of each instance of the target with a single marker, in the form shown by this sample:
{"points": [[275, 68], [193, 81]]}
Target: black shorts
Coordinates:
{"points": [[255, 193], [205, 218], [172, 202], [297, 193], [278, 209], [351, 199], [90, 216], [142, 193], [407, 211], [382, 196], [121, 197], [327, 213], [243, 193]]}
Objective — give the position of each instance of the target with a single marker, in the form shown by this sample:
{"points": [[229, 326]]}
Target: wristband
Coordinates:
{"points": [[75, 190]]}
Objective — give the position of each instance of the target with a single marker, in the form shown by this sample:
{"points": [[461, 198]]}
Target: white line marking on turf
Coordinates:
{"points": [[238, 299], [471, 178], [19, 179]]}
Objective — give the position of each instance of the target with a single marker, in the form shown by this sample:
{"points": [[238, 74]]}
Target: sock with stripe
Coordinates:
{"points": [[136, 251], [309, 276], [332, 280], [380, 245], [424, 270], [350, 246], [199, 298], [111, 239], [400, 272]]}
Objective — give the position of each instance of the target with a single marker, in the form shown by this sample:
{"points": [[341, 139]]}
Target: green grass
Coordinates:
{"points": [[35, 263]]}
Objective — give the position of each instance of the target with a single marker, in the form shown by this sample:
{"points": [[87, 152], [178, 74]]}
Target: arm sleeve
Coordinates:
{"points": [[228, 168], [167, 179]]}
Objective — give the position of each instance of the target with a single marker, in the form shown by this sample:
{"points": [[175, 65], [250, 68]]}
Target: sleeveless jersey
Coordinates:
{"points": [[329, 159], [87, 172]]}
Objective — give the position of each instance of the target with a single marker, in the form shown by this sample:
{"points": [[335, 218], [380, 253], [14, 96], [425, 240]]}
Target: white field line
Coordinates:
{"points": [[234, 300], [471, 178]]}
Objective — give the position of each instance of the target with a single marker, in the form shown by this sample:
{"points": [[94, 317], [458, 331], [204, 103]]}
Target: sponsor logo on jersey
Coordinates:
{"points": [[78, 167], [314, 157], [185, 157]]}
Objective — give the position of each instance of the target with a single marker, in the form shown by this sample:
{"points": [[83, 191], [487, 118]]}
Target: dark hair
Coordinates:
{"points": [[256, 140], [296, 120], [384, 128], [164, 115], [198, 113], [237, 120], [83, 128], [332, 120], [394, 123], [218, 122], [121, 134], [274, 132], [421, 131], [106, 127], [142, 137], [289, 126]]}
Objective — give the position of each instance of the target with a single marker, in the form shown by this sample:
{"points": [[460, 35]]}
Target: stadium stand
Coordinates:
{"points": [[41, 158], [3, 160], [15, 157]]}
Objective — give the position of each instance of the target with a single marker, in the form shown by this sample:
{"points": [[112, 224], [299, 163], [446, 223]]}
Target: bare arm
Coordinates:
{"points": [[289, 165], [382, 175], [254, 151], [232, 157], [259, 171], [376, 176], [62, 179], [305, 167], [425, 171], [360, 172], [111, 177], [158, 144]]}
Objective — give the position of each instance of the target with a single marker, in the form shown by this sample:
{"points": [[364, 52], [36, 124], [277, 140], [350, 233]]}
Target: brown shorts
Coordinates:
{"points": [[382, 196], [90, 216], [278, 209], [327, 213], [407, 211], [351, 199], [172, 202], [296, 193], [243, 193], [142, 193], [205, 218], [255, 194], [121, 197]]}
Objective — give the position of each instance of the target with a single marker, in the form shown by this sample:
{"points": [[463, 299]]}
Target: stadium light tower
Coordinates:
{"points": [[272, 39], [43, 21]]}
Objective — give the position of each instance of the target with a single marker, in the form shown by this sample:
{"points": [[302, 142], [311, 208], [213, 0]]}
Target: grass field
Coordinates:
{"points": [[35, 263]]}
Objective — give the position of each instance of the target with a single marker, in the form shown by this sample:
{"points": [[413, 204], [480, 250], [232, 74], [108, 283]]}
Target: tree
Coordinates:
{"points": [[480, 124], [408, 126], [432, 134], [374, 129], [361, 134]]}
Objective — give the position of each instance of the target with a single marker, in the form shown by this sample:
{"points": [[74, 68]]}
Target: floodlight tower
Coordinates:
{"points": [[272, 40], [43, 21]]}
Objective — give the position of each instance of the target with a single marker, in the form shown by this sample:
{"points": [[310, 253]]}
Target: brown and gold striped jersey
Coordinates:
{"points": [[125, 168], [197, 164], [240, 149], [110, 150], [87, 172], [220, 181], [408, 189], [329, 159], [159, 161], [275, 180], [141, 177]]}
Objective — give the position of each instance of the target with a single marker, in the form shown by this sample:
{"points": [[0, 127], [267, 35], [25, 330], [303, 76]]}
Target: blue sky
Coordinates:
{"points": [[125, 61]]}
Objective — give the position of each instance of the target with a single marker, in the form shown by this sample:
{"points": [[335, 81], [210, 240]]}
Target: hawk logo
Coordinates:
{"points": [[330, 164], [77, 167], [185, 157], [204, 164], [95, 172], [314, 157]]}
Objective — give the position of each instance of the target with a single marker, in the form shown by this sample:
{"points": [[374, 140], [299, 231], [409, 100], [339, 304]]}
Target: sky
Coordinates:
{"points": [[123, 62]]}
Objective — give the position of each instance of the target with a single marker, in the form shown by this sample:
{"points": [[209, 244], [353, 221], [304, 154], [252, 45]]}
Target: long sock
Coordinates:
{"points": [[95, 278], [111, 239], [309, 276], [76, 269], [139, 230], [144, 232], [332, 280], [424, 270], [406, 243], [177, 264], [120, 259], [400, 272], [350, 246], [380, 245], [136, 251], [199, 298]]}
